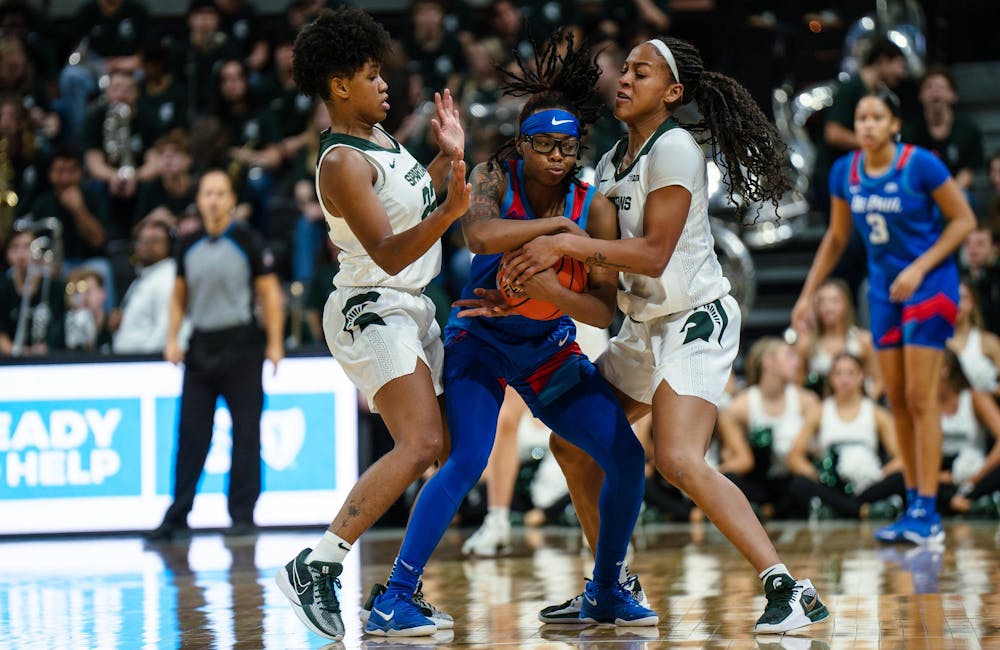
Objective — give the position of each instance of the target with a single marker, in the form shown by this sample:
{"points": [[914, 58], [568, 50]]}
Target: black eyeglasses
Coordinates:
{"points": [[546, 143]]}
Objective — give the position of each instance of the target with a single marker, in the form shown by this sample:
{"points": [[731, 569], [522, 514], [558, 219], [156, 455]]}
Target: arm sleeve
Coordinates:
{"points": [[838, 173], [928, 171], [675, 160]]}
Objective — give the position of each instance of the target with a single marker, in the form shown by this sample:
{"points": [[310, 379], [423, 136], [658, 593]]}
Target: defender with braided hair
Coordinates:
{"points": [[528, 189], [675, 351]]}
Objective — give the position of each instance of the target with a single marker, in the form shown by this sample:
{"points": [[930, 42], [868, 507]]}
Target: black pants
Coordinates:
{"points": [[802, 490], [227, 363]]}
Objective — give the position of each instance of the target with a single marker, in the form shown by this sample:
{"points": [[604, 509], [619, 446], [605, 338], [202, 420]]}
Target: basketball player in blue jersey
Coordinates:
{"points": [[514, 199], [912, 217], [382, 212], [675, 350]]}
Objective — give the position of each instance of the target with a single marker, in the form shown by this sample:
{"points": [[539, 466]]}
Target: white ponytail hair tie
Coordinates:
{"points": [[664, 51]]}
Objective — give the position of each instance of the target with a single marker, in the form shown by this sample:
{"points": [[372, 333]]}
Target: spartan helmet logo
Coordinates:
{"points": [[698, 326]]}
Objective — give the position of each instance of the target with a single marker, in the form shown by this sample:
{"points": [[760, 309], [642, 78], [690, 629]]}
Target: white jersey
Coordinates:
{"points": [[784, 427], [960, 430], [862, 430], [978, 367], [406, 192], [693, 276]]}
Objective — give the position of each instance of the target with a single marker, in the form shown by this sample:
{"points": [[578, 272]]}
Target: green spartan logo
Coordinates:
{"points": [[700, 324]]}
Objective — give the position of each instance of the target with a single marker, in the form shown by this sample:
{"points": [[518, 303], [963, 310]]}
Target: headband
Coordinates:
{"points": [[665, 52], [553, 120]]}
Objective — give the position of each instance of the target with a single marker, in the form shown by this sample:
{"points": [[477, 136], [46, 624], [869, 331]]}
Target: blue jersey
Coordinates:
{"points": [[895, 214], [513, 332]]}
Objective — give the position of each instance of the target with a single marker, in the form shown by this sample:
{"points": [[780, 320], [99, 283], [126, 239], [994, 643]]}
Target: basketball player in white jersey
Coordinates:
{"points": [[381, 207], [675, 350]]}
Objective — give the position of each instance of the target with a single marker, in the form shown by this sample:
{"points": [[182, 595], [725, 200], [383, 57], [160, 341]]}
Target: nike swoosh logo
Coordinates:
{"points": [[556, 122], [563, 341], [387, 617], [392, 165], [604, 180], [341, 545], [592, 601], [810, 605], [299, 586]]}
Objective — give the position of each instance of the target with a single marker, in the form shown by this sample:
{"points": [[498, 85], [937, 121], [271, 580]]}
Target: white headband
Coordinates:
{"points": [[665, 52]]}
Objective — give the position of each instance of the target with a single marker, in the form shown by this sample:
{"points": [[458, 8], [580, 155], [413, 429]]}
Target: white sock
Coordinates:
{"points": [[776, 568], [330, 549], [499, 513]]}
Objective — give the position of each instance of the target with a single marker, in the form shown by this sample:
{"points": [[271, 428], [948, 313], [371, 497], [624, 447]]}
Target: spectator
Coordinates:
{"points": [[993, 214], [292, 110], [979, 255], [19, 162], [835, 459], [20, 20], [43, 323], [769, 413], [198, 55], [87, 320], [18, 78], [320, 287], [238, 19], [950, 135], [835, 330], [978, 351], [107, 37], [83, 213], [163, 103], [219, 270], [140, 326], [170, 195], [115, 142], [310, 228], [434, 53]]}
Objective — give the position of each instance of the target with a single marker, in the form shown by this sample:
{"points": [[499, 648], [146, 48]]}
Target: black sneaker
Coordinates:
{"points": [[312, 589], [790, 605], [168, 531], [443, 620]]}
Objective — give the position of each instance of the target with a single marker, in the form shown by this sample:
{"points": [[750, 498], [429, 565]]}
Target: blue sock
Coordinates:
{"points": [[926, 504], [911, 497], [403, 579]]}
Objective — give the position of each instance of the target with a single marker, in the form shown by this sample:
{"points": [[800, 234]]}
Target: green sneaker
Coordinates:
{"points": [[790, 605]]}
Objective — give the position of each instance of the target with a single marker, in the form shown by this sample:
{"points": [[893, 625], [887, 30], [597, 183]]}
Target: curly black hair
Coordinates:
{"points": [[753, 153], [564, 80], [336, 43]]}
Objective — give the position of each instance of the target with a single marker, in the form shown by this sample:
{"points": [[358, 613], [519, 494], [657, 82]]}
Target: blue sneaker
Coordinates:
{"points": [[893, 533], [397, 615], [443, 620], [616, 605], [923, 528]]}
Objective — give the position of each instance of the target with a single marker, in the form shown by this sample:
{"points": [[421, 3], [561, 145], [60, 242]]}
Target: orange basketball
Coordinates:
{"points": [[571, 273]]}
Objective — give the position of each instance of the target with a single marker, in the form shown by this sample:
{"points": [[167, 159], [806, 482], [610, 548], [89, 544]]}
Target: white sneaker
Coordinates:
{"points": [[492, 538]]}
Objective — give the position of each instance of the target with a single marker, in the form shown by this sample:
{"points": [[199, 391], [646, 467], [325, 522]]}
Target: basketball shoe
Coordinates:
{"points": [[442, 620], [791, 604], [312, 589], [569, 611], [923, 528], [491, 539], [615, 605], [393, 614]]}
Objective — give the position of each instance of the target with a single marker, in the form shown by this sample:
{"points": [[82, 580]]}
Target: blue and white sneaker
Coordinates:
{"points": [[616, 605], [443, 620], [923, 528], [893, 533], [397, 615], [568, 612], [312, 589]]}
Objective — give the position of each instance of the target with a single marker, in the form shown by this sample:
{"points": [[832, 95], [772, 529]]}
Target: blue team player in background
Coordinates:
{"points": [[514, 199], [913, 217]]}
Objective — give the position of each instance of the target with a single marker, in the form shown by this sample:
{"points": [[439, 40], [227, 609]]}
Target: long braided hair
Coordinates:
{"points": [[563, 76], [753, 152]]}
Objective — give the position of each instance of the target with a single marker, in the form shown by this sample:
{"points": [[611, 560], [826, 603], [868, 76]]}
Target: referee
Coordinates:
{"points": [[219, 270]]}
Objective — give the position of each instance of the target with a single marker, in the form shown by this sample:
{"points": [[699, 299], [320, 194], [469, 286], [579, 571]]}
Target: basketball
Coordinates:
{"points": [[571, 273]]}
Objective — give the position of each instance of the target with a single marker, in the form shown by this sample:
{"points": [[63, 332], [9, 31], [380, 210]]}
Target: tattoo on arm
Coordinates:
{"points": [[487, 193], [598, 259]]}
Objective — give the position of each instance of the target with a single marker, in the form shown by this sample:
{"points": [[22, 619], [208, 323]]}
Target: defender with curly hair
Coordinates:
{"points": [[381, 208]]}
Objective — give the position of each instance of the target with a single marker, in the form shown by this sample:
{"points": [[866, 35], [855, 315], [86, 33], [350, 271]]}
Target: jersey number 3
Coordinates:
{"points": [[879, 233]]}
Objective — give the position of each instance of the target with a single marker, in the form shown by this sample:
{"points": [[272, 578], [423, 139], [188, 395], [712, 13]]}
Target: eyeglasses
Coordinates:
{"points": [[546, 143]]}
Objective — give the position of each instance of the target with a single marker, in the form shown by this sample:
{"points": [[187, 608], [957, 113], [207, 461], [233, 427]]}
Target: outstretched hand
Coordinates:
{"points": [[489, 304], [459, 191], [448, 131]]}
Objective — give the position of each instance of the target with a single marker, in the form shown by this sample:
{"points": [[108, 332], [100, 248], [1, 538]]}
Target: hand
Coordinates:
{"points": [[275, 353], [905, 283], [447, 125], [115, 320], [71, 198], [172, 352], [571, 227], [533, 257], [802, 315], [542, 286], [459, 192], [960, 503], [490, 304]]}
